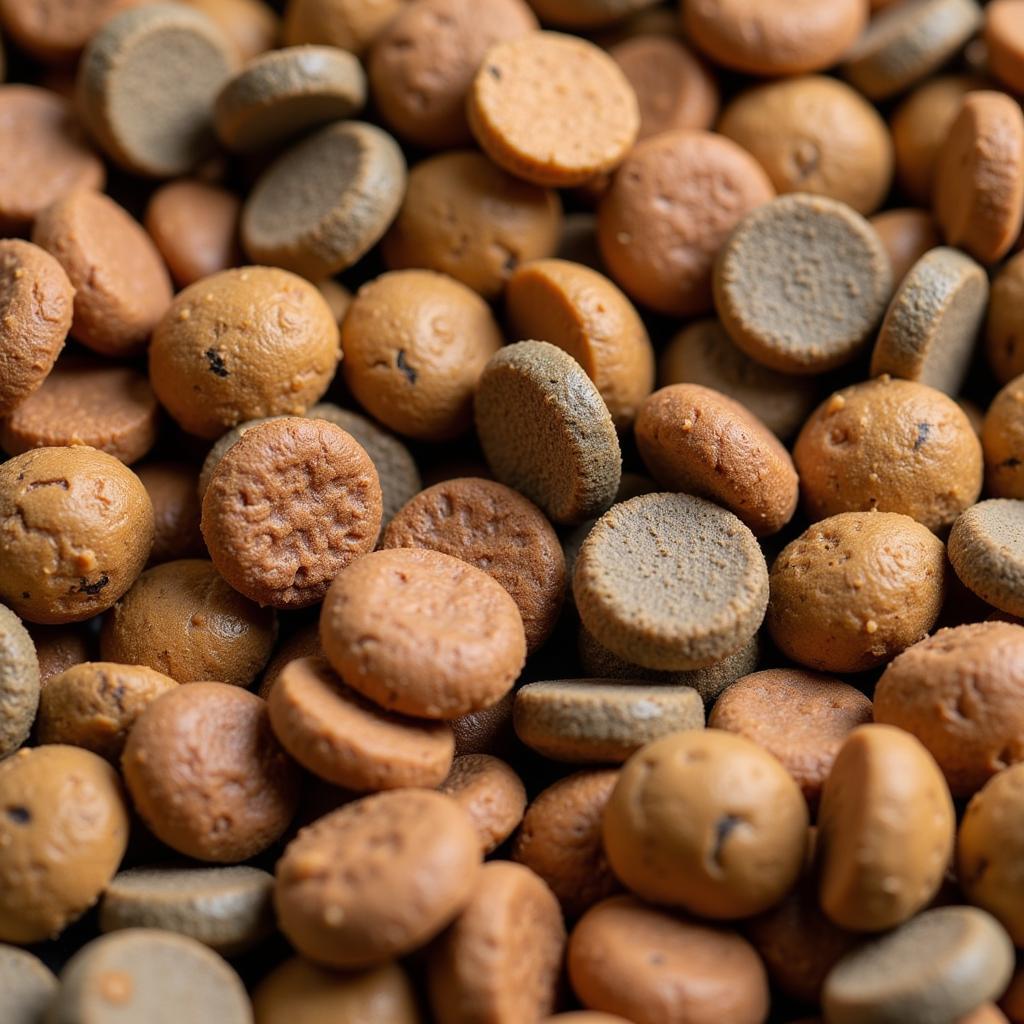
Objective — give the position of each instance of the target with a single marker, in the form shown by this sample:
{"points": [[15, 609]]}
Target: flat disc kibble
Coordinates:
{"points": [[986, 547], [28, 986], [325, 202], [19, 682], [801, 284], [671, 581]]}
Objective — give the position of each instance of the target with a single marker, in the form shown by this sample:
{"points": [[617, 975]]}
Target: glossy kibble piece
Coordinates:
{"points": [[28, 985], [892, 445], [144, 123], [650, 966], [76, 527], [179, 752], [19, 682], [491, 794], [35, 317], [63, 833], [1002, 439], [959, 693], [377, 878], [243, 344], [171, 487], [801, 284], [348, 24], [673, 203], [885, 830], [986, 551], [1004, 37], [323, 203], [586, 132], [906, 234], [122, 287]]}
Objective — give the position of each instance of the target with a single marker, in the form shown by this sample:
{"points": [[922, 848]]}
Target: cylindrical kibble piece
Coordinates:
{"points": [[986, 548], [19, 682]]}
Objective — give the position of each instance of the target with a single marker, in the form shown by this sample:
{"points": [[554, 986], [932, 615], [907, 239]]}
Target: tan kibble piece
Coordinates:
{"points": [[85, 401], [63, 832], [673, 203], [979, 179], [19, 682], [122, 287], [986, 548], [491, 794], [298, 992], [348, 24], [1002, 439], [146, 85], [378, 878], [464, 216], [907, 42], [815, 134], [60, 647], [892, 445], [959, 693], [28, 986], [907, 234], [649, 966], [585, 131], [195, 226], [171, 487], [303, 643], [415, 345], [46, 157], [584, 313], [35, 317], [53, 31], [242, 344], [250, 26], [340, 736], [1004, 35], [323, 203], [181, 750], [1004, 332], [801, 718], [76, 527], [885, 830]]}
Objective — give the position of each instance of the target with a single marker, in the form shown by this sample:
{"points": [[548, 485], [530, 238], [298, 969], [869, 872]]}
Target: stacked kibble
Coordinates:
{"points": [[511, 511]]}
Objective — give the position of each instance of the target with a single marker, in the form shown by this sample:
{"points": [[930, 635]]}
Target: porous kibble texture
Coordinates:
{"points": [[491, 794], [986, 548], [1002, 440], [19, 682]]}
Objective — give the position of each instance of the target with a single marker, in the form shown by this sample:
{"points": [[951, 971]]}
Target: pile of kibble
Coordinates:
{"points": [[511, 512]]}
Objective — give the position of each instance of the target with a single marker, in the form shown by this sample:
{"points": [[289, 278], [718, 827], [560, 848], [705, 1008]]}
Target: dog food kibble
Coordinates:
{"points": [[28, 986], [906, 234], [1002, 439], [19, 682], [250, 26], [1004, 332], [348, 24], [171, 487], [490, 792], [1004, 35], [986, 552]]}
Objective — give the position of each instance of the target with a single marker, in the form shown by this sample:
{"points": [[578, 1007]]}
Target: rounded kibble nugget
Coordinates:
{"points": [[46, 157], [650, 966], [906, 234], [345, 739], [855, 589], [121, 284], [1002, 440], [815, 134], [597, 720], [151, 975], [1004, 331], [801, 718], [415, 344], [146, 85], [303, 643], [979, 179], [502, 958], [63, 832], [250, 26], [671, 581], [195, 226], [179, 753], [938, 967], [84, 401], [182, 619], [290, 505], [423, 633], [28, 986], [35, 317], [546, 431], [986, 548], [60, 647], [885, 830], [243, 344], [171, 487], [959, 693], [219, 449], [348, 24], [298, 992], [700, 441], [226, 908], [491, 794], [1004, 37], [802, 283], [673, 203], [76, 527], [588, 129], [52, 31], [464, 216], [892, 445], [582, 312], [377, 878], [322, 204], [19, 682]]}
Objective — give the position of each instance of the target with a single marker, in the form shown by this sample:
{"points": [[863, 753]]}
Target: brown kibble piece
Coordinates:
{"points": [[121, 285], [801, 718], [171, 487], [251, 26], [76, 527], [906, 234], [986, 547], [19, 682], [589, 14], [498, 530], [56, 854], [423, 633], [585, 133], [672, 204], [60, 647], [179, 753], [1004, 36], [1002, 439], [303, 643], [491, 794], [885, 830], [488, 731], [1004, 333], [53, 31], [959, 693], [220, 448], [979, 178], [377, 878], [28, 985], [348, 24]]}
